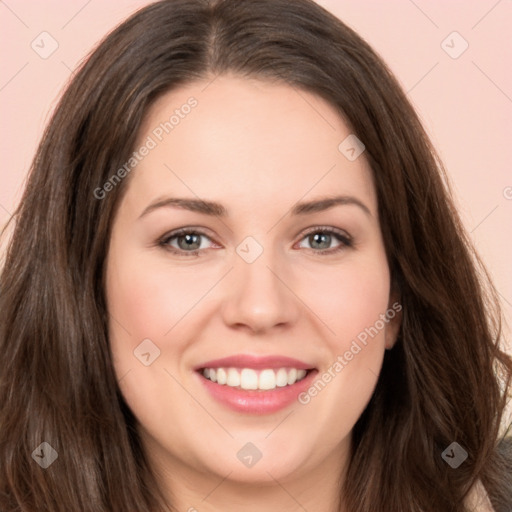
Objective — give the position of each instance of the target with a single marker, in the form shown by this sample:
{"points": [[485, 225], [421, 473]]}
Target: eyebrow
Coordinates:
{"points": [[217, 209]]}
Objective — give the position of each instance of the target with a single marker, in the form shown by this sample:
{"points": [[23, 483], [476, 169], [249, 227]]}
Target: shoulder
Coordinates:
{"points": [[478, 499]]}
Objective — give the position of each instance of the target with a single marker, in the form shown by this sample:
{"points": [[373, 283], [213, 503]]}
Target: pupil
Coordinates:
{"points": [[317, 238], [190, 240]]}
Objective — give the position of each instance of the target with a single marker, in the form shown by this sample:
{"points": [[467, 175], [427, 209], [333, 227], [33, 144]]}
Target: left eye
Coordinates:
{"points": [[321, 239], [189, 242]]}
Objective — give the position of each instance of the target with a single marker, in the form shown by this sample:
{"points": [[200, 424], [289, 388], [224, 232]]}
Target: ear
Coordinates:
{"points": [[394, 315]]}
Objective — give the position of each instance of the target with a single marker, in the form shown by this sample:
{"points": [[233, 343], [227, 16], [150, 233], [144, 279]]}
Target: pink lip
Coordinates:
{"points": [[257, 401], [255, 362]]}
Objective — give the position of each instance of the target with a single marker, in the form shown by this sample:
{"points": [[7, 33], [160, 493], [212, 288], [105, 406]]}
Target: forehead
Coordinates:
{"points": [[248, 143]]}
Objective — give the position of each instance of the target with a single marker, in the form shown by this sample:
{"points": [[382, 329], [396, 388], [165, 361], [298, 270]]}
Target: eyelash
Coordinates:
{"points": [[346, 240]]}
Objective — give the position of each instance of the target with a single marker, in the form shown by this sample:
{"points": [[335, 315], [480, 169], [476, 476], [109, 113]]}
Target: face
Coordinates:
{"points": [[278, 295]]}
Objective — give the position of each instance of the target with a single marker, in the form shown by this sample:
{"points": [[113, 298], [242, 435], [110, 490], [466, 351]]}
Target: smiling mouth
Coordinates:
{"points": [[250, 379]]}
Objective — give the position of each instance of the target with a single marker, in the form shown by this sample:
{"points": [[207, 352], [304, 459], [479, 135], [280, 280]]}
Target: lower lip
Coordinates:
{"points": [[254, 401]]}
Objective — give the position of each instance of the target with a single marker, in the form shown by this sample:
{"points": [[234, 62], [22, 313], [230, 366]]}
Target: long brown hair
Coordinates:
{"points": [[443, 381]]}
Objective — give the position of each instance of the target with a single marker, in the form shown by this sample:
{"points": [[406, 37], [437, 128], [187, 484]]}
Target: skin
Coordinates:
{"points": [[257, 148]]}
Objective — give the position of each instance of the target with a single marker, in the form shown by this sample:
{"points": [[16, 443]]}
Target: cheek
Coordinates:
{"points": [[349, 298], [350, 302], [148, 299]]}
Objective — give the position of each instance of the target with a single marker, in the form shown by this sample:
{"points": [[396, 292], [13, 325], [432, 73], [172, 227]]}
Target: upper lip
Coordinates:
{"points": [[255, 362]]}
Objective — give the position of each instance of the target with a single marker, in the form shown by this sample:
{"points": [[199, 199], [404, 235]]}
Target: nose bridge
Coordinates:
{"points": [[257, 295]]}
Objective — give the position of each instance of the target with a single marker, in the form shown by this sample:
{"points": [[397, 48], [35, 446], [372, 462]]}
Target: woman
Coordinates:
{"points": [[236, 280]]}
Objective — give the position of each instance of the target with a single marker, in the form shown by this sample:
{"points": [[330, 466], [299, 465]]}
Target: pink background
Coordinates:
{"points": [[465, 102]]}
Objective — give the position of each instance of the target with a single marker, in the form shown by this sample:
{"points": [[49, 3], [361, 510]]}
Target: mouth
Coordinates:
{"points": [[258, 385]]}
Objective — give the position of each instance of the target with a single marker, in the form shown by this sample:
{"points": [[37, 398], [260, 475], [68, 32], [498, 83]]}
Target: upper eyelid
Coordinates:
{"points": [[329, 229]]}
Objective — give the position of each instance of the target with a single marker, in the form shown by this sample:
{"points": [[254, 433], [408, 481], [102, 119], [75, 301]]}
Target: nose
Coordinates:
{"points": [[259, 295]]}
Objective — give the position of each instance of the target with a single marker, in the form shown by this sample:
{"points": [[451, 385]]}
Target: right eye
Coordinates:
{"points": [[184, 242]]}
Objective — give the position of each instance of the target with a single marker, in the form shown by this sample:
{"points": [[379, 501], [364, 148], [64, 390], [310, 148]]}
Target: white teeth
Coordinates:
{"points": [[221, 376], [247, 378], [292, 376], [267, 379], [281, 378], [233, 378]]}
